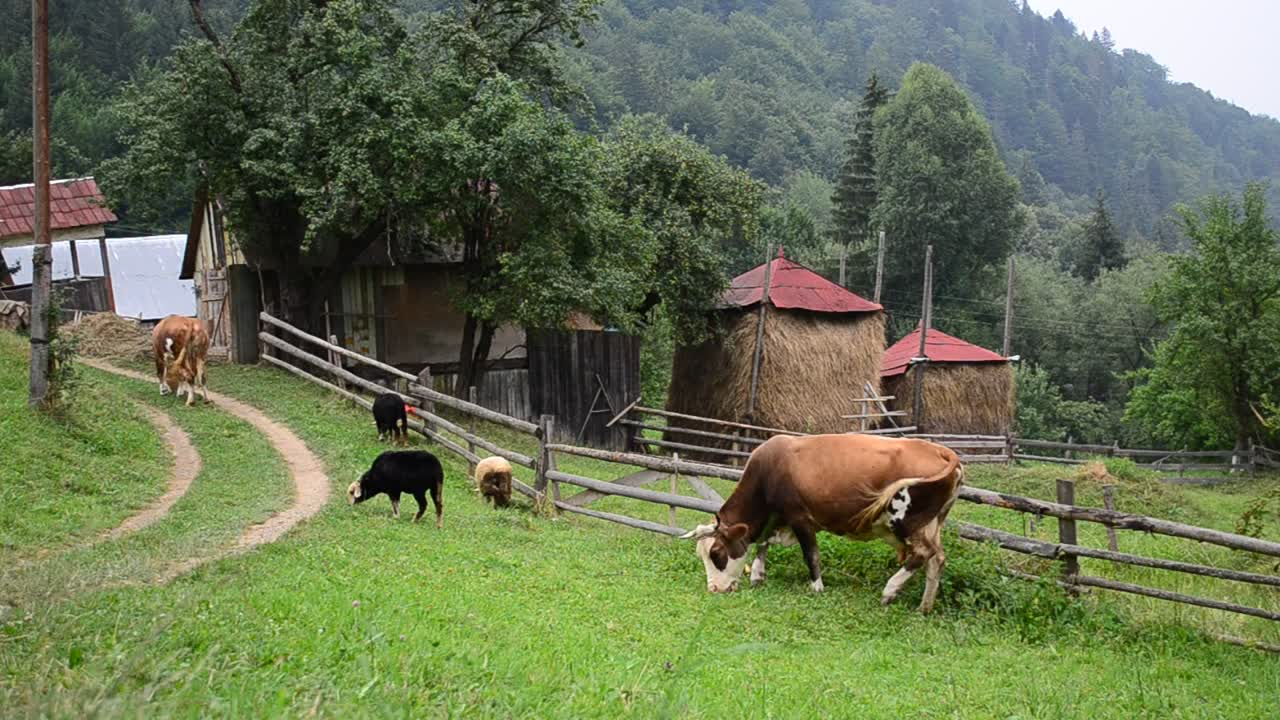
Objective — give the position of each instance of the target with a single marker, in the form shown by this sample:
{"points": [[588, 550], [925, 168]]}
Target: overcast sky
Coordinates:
{"points": [[1227, 47]]}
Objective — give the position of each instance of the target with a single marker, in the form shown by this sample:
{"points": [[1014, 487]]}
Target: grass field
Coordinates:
{"points": [[506, 614]]}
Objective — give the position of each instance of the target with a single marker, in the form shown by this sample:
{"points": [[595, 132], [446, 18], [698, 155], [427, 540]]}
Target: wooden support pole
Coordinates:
{"points": [[1109, 502], [544, 455], [106, 273], [1067, 529], [917, 404], [675, 490], [756, 356], [471, 428], [879, 268], [41, 254], [844, 251], [1008, 310], [75, 260]]}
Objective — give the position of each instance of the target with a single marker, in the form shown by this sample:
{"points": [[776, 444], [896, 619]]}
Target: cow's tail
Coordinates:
{"points": [[952, 475]]}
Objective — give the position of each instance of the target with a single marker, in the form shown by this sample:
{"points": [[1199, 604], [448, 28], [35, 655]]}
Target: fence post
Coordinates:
{"points": [[338, 360], [471, 428], [1071, 440], [546, 422], [1067, 530], [1109, 502], [1008, 448], [675, 487]]}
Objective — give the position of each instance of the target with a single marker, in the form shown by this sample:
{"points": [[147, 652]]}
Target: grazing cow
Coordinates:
{"points": [[860, 486], [180, 346], [390, 417], [493, 477], [415, 472]]}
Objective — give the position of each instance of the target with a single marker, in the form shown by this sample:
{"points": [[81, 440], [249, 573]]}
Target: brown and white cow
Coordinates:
{"points": [[180, 346], [860, 486]]}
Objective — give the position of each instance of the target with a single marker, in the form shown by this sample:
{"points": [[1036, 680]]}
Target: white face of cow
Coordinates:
{"points": [[353, 493], [723, 554]]}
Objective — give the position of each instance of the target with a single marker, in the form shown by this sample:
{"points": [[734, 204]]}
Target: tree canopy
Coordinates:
{"points": [[1221, 363], [940, 182]]}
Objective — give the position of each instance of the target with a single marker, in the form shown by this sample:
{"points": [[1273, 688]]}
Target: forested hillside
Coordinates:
{"points": [[773, 85]]}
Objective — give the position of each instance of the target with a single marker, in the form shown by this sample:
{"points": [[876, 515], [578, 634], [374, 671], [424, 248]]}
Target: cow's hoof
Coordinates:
{"points": [[817, 585], [886, 599], [757, 581]]}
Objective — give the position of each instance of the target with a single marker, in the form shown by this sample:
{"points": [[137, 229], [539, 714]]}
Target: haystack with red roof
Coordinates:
{"points": [[820, 345], [967, 389]]}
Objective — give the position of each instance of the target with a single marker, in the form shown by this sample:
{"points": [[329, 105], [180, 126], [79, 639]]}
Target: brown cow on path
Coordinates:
{"points": [[860, 486], [180, 346]]}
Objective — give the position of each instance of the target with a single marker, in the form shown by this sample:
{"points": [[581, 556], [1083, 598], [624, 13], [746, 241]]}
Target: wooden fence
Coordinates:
{"points": [[710, 444], [462, 439]]}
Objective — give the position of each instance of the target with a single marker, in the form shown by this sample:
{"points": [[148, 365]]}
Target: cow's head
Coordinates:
{"points": [[723, 549]]}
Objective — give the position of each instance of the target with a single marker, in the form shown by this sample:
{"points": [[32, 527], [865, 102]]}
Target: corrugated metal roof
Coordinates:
{"points": [[795, 287], [72, 204], [144, 273], [939, 347]]}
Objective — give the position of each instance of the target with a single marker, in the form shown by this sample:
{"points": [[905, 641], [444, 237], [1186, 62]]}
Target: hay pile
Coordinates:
{"points": [[965, 399], [111, 337], [812, 370]]}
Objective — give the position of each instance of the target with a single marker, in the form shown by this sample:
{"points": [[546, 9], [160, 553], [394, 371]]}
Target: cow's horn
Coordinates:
{"points": [[699, 532]]}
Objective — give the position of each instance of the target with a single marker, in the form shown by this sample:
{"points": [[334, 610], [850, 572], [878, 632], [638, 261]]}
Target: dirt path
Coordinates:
{"points": [[310, 484], [186, 466]]}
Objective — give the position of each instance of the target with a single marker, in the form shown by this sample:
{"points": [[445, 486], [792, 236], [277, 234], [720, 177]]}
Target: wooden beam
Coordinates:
{"points": [[714, 421], [653, 462], [659, 498], [640, 440], [1123, 521], [622, 520], [879, 269], [1089, 581]]}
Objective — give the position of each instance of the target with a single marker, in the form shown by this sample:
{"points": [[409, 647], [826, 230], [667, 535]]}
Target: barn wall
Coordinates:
{"points": [[563, 367], [504, 391], [83, 294], [422, 325]]}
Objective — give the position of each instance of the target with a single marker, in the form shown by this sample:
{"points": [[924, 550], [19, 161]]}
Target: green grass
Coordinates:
{"points": [[505, 614], [63, 480]]}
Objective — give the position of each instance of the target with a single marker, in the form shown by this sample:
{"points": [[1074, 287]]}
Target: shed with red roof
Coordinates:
{"points": [[820, 344], [967, 388]]}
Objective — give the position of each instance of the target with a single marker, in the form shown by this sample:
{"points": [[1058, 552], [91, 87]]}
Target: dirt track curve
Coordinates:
{"points": [[310, 484], [186, 466]]}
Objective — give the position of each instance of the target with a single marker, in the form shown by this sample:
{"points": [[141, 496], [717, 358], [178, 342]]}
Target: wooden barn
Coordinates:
{"points": [[817, 345], [395, 304], [967, 389]]}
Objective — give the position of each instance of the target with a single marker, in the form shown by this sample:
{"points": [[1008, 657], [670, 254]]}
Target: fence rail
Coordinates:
{"points": [[463, 441]]}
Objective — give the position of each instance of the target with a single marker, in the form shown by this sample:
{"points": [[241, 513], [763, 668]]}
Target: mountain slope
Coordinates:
{"points": [[773, 86]]}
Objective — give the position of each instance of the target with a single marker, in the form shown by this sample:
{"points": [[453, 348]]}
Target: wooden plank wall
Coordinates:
{"points": [[562, 382], [504, 391]]}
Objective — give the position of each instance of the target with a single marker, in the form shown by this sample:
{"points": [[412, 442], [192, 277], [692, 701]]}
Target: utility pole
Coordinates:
{"points": [[926, 313], [879, 268], [41, 281], [756, 356], [1008, 310]]}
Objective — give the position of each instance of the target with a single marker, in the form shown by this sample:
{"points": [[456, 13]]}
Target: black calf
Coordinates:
{"points": [[415, 472], [390, 417]]}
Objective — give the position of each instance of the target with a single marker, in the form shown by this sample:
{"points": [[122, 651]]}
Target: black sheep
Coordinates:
{"points": [[402, 471], [390, 417]]}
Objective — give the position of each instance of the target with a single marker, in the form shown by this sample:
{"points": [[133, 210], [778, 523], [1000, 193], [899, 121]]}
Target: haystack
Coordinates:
{"points": [[968, 390], [820, 345], [110, 337]]}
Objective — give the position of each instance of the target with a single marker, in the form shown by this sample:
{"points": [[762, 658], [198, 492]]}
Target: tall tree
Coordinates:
{"points": [[1222, 359], [940, 182], [855, 193], [1101, 247], [312, 119]]}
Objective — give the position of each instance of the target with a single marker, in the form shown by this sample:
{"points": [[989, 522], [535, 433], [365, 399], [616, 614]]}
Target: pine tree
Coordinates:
{"points": [[855, 193], [1102, 249]]}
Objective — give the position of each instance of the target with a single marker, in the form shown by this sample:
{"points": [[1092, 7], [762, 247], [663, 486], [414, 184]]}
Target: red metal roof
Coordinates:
{"points": [[72, 204], [793, 286], [938, 347]]}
